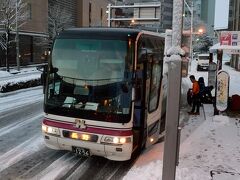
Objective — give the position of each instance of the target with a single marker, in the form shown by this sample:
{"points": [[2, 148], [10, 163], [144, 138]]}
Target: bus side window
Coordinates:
{"points": [[155, 84]]}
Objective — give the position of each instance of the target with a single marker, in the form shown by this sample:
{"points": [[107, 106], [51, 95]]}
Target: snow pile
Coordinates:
{"points": [[28, 77], [209, 149], [212, 145]]}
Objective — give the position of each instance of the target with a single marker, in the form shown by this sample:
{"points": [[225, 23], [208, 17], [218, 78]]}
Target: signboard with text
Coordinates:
{"points": [[222, 90], [230, 38]]}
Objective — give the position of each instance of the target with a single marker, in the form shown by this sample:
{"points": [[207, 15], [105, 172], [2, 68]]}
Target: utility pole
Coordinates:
{"points": [[191, 36], [190, 9], [17, 38], [172, 138]]}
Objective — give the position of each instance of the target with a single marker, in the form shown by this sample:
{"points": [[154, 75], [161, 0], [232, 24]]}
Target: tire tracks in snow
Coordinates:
{"points": [[16, 125], [20, 152]]}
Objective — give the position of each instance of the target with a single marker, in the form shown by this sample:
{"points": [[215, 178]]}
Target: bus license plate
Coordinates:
{"points": [[81, 151]]}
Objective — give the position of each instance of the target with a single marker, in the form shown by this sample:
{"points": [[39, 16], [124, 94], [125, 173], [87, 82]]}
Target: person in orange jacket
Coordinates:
{"points": [[195, 96]]}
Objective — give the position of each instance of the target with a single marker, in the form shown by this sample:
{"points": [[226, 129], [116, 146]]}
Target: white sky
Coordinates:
{"points": [[221, 14], [206, 145]]}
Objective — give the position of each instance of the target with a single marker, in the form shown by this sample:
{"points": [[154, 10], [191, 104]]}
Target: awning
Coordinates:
{"points": [[226, 49]]}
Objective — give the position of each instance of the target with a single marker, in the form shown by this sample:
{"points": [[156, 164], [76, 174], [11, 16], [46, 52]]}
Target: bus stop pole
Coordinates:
{"points": [[172, 137]]}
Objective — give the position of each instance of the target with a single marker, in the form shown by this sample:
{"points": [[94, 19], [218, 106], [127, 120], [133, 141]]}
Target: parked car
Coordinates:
{"points": [[203, 62]]}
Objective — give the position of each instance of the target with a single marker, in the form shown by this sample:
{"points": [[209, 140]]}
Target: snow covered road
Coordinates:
{"points": [[23, 154]]}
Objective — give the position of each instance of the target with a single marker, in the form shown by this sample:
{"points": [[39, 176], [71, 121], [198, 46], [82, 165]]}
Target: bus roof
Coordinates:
{"points": [[106, 33]]}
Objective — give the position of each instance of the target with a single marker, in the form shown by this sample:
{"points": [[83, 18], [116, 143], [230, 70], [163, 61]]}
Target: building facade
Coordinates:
{"points": [[207, 15], [34, 27], [165, 13], [92, 13], [234, 25], [234, 15], [34, 34]]}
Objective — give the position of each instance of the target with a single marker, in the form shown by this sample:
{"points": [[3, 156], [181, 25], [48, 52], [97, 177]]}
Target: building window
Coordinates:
{"points": [[29, 10]]}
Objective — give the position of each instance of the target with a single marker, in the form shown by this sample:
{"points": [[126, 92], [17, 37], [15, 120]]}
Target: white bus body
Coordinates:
{"points": [[112, 115]]}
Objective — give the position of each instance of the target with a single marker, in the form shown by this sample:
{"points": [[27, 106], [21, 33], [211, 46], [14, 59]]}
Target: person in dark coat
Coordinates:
{"points": [[205, 94], [202, 88]]}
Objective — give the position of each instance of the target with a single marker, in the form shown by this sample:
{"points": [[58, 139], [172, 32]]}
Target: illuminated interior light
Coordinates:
{"points": [[129, 43], [105, 102], [151, 140]]}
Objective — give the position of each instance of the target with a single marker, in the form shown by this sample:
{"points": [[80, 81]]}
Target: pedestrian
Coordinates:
{"points": [[195, 95], [205, 94], [202, 88]]}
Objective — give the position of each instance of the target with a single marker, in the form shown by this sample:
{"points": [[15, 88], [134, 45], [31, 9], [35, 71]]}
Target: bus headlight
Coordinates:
{"points": [[50, 130], [116, 140]]}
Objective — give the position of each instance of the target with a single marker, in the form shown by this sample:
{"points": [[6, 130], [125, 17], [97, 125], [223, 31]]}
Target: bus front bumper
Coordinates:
{"points": [[113, 152]]}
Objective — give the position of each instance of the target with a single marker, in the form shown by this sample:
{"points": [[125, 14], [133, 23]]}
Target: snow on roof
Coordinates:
{"points": [[217, 46]]}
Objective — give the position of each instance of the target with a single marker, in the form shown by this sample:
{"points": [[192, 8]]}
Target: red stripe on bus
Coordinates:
{"points": [[88, 129]]}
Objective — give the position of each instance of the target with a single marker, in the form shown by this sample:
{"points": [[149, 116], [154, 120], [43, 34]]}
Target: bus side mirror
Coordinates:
{"points": [[196, 59], [44, 77], [53, 70]]}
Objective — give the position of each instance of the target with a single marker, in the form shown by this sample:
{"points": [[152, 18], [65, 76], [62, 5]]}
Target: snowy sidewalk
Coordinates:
{"points": [[209, 150]]}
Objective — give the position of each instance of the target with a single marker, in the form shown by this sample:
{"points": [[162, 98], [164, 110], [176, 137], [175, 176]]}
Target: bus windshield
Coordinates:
{"points": [[90, 78]]}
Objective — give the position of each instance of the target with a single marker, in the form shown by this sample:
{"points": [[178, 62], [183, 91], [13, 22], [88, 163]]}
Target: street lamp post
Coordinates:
{"points": [[191, 32]]}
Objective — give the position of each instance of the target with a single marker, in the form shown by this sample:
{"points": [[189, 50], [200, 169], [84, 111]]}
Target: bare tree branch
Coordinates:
{"points": [[8, 17], [58, 20], [13, 14]]}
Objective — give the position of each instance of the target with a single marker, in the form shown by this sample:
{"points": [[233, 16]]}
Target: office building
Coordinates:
{"points": [[34, 34]]}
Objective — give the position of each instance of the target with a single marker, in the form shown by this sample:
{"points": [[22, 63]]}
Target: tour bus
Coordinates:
{"points": [[105, 92]]}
